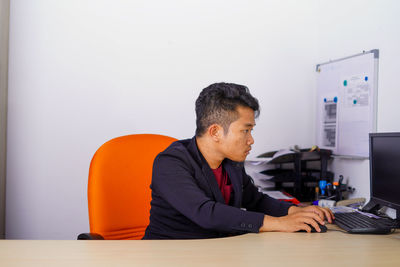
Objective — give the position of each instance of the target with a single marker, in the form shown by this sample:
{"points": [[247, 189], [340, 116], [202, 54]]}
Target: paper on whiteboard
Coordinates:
{"points": [[328, 123], [354, 115], [356, 91]]}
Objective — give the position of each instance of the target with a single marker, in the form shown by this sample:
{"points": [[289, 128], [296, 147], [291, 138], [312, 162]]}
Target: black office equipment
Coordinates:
{"points": [[385, 172], [384, 160], [322, 227], [298, 178]]}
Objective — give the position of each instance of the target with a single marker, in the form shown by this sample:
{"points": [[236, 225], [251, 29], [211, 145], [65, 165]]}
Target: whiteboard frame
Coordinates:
{"points": [[373, 105]]}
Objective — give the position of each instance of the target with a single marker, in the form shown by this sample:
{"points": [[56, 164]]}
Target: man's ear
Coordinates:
{"points": [[215, 131]]}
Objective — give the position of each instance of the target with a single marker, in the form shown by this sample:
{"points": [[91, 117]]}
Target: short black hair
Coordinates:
{"points": [[218, 104]]}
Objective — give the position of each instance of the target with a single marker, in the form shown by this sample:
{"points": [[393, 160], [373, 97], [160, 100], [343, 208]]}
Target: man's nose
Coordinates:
{"points": [[250, 141]]}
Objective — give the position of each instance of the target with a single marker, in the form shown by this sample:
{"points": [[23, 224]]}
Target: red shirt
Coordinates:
{"points": [[224, 183]]}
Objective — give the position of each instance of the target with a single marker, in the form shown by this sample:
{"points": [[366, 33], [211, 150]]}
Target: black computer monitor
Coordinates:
{"points": [[384, 157]]}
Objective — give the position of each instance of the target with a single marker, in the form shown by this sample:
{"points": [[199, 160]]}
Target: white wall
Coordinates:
{"points": [[4, 26], [82, 72], [349, 27]]}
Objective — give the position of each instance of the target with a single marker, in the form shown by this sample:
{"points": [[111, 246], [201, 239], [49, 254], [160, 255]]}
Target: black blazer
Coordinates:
{"points": [[187, 203]]}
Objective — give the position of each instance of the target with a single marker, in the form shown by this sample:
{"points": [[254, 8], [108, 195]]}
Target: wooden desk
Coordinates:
{"points": [[273, 249]]}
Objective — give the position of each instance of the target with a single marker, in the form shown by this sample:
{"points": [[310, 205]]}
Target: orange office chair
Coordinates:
{"points": [[119, 186]]}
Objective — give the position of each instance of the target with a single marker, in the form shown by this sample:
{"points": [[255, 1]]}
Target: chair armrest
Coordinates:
{"points": [[90, 236]]}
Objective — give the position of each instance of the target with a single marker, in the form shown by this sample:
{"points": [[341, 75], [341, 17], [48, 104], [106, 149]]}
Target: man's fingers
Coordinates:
{"points": [[329, 215], [306, 220], [320, 213], [313, 223], [306, 228], [314, 216], [323, 213]]}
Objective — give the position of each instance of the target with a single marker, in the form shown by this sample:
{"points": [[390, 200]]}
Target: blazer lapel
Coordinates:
{"points": [[208, 174], [212, 182]]}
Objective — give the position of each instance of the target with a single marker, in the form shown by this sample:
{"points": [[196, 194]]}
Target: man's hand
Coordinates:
{"points": [[323, 213], [298, 219]]}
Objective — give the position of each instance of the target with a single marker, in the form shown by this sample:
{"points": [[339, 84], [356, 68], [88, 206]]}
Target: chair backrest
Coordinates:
{"points": [[119, 192]]}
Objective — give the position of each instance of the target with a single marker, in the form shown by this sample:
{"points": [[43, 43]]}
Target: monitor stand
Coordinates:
{"points": [[373, 207]]}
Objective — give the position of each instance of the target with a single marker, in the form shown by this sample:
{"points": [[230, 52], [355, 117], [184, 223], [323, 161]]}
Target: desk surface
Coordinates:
{"points": [[333, 248]]}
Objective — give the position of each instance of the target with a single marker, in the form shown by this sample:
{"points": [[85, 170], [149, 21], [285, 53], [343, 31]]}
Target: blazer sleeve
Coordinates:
{"points": [[175, 181], [253, 200]]}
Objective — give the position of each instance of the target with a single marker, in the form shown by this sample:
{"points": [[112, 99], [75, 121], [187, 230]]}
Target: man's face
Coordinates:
{"points": [[236, 144]]}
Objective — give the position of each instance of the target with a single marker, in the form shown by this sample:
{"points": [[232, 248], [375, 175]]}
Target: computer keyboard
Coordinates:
{"points": [[357, 223]]}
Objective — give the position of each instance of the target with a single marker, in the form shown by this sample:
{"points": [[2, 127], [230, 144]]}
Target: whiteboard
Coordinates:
{"points": [[347, 103]]}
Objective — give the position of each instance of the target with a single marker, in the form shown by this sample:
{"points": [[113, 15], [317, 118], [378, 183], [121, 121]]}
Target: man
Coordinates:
{"points": [[199, 186]]}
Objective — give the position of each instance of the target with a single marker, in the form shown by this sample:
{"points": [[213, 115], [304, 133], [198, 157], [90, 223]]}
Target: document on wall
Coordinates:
{"points": [[354, 114], [328, 109]]}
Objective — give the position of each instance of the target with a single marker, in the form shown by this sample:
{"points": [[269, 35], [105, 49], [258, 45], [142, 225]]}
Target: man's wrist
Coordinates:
{"points": [[270, 224]]}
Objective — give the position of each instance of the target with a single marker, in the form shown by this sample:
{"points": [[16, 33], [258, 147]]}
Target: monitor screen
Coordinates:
{"points": [[385, 168]]}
